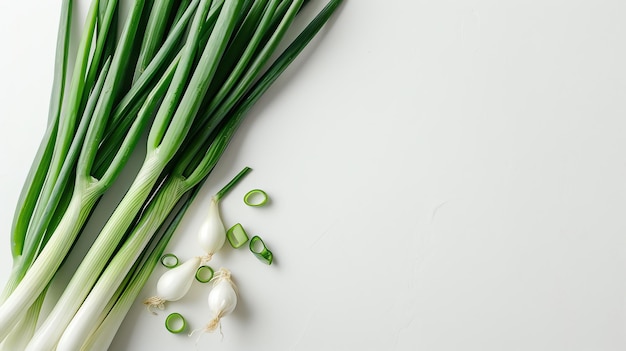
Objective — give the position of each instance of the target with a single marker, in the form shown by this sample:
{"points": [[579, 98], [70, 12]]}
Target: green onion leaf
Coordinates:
{"points": [[220, 194]]}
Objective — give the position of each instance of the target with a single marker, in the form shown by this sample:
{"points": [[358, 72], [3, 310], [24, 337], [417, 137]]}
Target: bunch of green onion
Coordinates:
{"points": [[183, 72]]}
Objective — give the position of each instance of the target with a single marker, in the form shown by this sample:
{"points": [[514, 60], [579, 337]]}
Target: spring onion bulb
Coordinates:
{"points": [[174, 284], [212, 233], [222, 298]]}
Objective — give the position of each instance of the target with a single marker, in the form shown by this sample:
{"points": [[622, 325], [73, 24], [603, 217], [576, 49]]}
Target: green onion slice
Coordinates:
{"points": [[255, 198], [204, 274], [175, 323], [258, 248], [237, 236], [169, 260]]}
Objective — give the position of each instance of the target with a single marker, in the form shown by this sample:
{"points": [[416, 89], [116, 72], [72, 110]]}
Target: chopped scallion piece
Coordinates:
{"points": [[258, 248], [237, 236], [204, 274], [255, 198], [169, 260], [175, 323]]}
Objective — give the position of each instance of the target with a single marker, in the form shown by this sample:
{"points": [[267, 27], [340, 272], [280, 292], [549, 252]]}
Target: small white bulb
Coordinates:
{"points": [[175, 283], [212, 234], [222, 298]]}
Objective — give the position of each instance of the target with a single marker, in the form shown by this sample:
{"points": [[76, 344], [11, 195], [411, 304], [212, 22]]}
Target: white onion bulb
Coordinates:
{"points": [[175, 283], [222, 298], [212, 234]]}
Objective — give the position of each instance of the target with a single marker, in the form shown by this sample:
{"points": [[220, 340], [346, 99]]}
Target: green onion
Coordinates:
{"points": [[258, 248], [39, 183], [154, 35], [175, 323], [192, 88], [222, 299], [25, 328], [204, 274], [169, 260], [86, 191], [212, 233], [237, 236], [37, 174], [255, 198]]}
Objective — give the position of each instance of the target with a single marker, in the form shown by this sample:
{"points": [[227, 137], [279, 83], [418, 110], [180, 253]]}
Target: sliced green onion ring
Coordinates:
{"points": [[204, 274], [175, 323], [169, 260], [255, 198], [258, 248], [237, 236]]}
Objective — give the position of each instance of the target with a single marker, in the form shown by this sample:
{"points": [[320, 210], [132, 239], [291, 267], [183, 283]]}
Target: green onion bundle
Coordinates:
{"points": [[185, 73]]}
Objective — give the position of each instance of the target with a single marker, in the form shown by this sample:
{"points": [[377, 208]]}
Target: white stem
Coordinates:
{"points": [[24, 330], [94, 332], [97, 258], [6, 344], [101, 338], [14, 280], [212, 234], [46, 265], [86, 318]]}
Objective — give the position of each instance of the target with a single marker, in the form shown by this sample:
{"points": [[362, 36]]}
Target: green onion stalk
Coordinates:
{"points": [[31, 230], [60, 201], [30, 196], [40, 200]]}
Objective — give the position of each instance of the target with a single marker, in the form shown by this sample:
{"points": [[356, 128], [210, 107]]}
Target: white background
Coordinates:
{"points": [[445, 175]]}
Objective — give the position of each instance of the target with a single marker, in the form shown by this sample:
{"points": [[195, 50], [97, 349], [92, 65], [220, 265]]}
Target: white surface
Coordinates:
{"points": [[445, 175]]}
